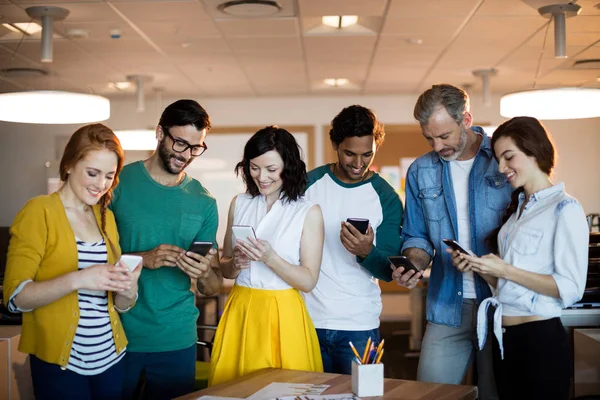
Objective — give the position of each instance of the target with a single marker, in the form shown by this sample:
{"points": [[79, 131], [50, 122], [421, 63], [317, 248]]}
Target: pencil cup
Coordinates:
{"points": [[367, 379]]}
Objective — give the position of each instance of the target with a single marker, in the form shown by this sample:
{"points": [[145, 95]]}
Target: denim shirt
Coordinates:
{"points": [[430, 216]]}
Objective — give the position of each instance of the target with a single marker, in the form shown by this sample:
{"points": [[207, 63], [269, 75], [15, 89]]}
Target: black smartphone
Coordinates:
{"points": [[402, 261], [454, 245], [362, 224], [201, 248]]}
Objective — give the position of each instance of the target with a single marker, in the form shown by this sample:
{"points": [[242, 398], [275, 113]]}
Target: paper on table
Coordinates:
{"points": [[344, 396], [278, 389]]}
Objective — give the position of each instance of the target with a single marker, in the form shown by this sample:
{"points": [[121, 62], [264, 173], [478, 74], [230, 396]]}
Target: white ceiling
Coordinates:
{"points": [[188, 48]]}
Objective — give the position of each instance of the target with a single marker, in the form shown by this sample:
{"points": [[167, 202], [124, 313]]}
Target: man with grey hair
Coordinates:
{"points": [[453, 192]]}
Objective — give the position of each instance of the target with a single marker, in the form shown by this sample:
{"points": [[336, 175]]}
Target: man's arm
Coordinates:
{"points": [[417, 246], [389, 239]]}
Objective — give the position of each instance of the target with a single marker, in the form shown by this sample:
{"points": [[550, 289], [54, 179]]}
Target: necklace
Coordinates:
{"points": [[335, 168]]}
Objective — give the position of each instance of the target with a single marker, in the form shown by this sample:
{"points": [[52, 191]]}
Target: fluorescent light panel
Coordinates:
{"points": [[28, 28], [339, 21]]}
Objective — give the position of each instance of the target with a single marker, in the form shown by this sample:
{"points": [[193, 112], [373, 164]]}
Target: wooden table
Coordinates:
{"points": [[393, 388]]}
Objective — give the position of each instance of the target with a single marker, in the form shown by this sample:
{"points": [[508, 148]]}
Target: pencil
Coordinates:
{"points": [[354, 350], [379, 357], [380, 345], [366, 353]]}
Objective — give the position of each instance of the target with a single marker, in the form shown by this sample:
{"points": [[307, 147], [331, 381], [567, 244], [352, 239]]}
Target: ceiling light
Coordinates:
{"points": [[47, 14], [139, 139], [335, 82], [415, 41], [548, 104], [28, 28], [139, 81], [339, 21], [119, 85], [560, 12], [485, 74], [53, 107]]}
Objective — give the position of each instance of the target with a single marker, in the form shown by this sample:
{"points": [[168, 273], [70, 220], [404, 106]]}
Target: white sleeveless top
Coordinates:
{"points": [[281, 227]]}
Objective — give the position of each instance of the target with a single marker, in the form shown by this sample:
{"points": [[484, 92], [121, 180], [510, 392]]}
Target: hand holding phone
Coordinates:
{"points": [[201, 248], [243, 232], [361, 224], [403, 261], [130, 261], [454, 245]]}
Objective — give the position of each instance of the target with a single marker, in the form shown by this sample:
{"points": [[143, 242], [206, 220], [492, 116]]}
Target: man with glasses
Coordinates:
{"points": [[160, 211]]}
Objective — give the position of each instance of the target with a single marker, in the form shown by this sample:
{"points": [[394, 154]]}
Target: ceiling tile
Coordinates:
{"points": [[318, 8], [272, 27], [182, 30], [143, 11], [430, 8], [273, 45], [421, 27]]}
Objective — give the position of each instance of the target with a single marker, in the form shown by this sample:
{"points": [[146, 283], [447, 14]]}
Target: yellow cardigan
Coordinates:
{"points": [[43, 247]]}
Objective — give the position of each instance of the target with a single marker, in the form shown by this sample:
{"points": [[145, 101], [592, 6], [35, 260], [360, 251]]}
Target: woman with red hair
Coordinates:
{"points": [[62, 274]]}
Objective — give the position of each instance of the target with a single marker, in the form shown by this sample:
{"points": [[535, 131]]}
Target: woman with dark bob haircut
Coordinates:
{"points": [[541, 268], [265, 323]]}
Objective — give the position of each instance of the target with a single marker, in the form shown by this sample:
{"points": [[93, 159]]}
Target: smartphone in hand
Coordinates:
{"points": [[201, 248], [243, 232], [130, 261], [403, 261], [454, 245], [361, 224]]}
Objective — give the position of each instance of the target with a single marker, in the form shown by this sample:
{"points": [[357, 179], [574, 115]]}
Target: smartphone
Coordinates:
{"points": [[201, 248], [243, 232], [402, 261], [130, 261], [454, 245], [361, 224]]}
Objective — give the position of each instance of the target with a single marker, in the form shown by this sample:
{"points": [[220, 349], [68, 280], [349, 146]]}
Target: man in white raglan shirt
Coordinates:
{"points": [[346, 303]]}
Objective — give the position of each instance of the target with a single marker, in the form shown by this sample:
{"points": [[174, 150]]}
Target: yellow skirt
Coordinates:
{"points": [[263, 329]]}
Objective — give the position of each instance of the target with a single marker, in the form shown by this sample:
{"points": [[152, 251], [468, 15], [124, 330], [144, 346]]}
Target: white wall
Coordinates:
{"points": [[25, 148]]}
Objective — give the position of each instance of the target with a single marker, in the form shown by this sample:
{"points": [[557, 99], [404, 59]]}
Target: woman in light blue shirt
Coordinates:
{"points": [[541, 268]]}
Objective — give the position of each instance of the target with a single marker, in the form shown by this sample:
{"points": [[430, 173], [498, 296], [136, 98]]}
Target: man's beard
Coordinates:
{"points": [[165, 157], [462, 145]]}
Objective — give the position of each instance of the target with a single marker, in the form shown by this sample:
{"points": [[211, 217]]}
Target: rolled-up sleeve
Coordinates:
{"points": [[26, 249], [414, 231], [571, 243]]}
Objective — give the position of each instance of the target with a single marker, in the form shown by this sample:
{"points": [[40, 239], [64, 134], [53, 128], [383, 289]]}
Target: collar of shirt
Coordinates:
{"points": [[540, 195]]}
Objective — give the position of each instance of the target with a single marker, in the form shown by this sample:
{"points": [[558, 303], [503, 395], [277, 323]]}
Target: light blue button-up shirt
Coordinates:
{"points": [[551, 237], [430, 216]]}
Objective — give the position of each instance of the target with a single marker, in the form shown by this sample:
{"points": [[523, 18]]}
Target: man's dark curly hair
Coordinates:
{"points": [[356, 121], [294, 169]]}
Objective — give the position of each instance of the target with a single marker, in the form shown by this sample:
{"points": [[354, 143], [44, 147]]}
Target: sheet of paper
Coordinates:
{"points": [[344, 396], [278, 389]]}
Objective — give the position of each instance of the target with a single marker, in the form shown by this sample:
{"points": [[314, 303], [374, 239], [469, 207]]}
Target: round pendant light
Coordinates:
{"points": [[555, 103], [53, 107]]}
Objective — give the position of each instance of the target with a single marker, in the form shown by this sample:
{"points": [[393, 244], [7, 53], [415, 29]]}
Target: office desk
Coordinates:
{"points": [[393, 388]]}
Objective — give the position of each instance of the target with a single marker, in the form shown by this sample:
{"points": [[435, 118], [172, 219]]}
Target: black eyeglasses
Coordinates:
{"points": [[180, 146]]}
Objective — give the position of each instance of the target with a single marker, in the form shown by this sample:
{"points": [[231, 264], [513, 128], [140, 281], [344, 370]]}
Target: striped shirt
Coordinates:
{"points": [[93, 350]]}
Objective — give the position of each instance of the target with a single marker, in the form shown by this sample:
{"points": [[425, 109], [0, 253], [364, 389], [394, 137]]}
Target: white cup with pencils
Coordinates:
{"points": [[367, 370]]}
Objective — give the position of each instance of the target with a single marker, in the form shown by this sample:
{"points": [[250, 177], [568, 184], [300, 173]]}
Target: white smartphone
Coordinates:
{"points": [[130, 261], [242, 232]]}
